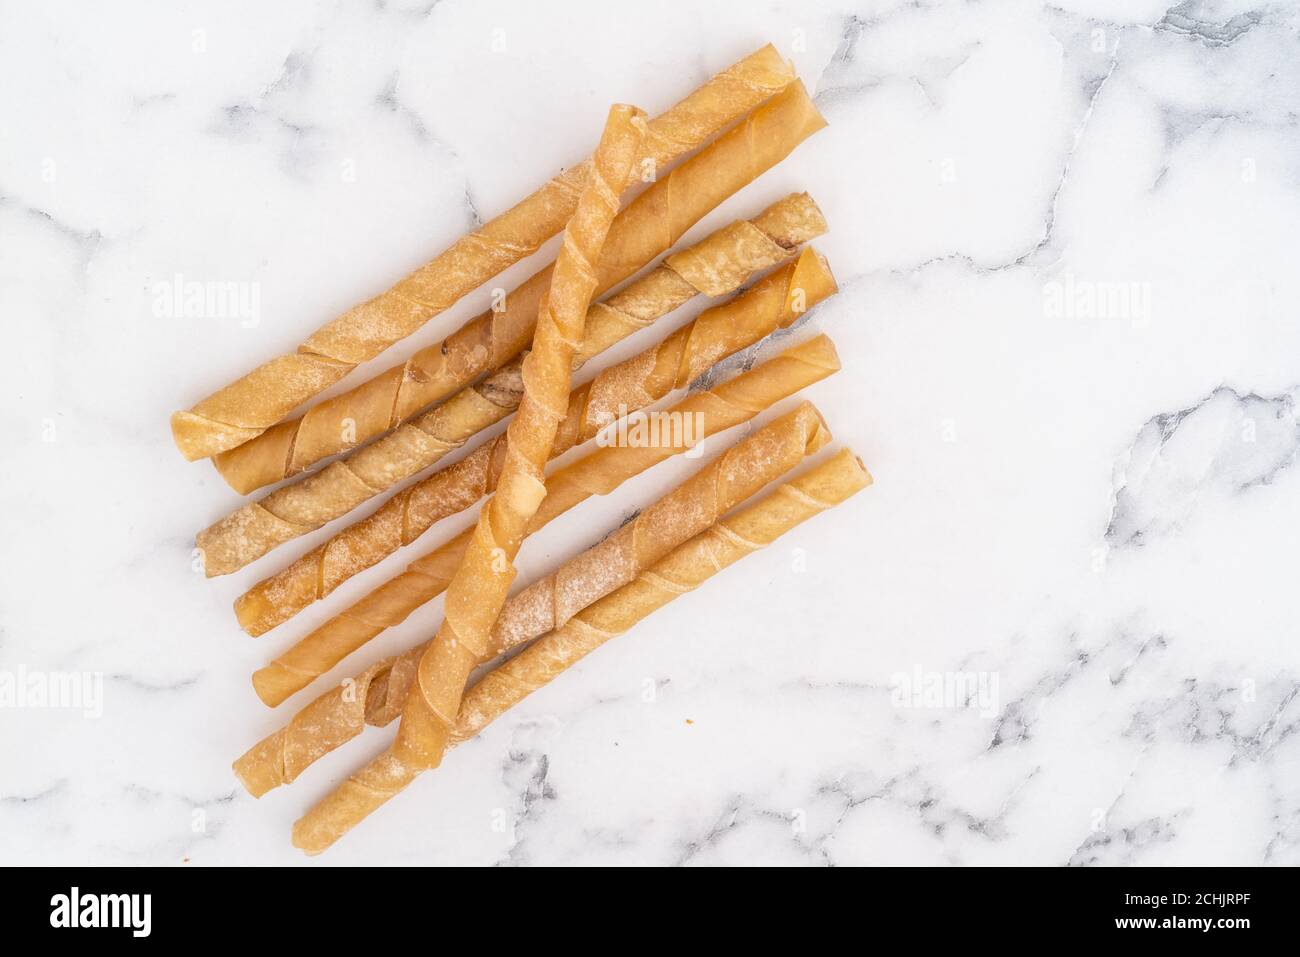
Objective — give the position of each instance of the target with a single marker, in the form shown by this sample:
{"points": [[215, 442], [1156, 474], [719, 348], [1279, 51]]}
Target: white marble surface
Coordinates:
{"points": [[1087, 499]]}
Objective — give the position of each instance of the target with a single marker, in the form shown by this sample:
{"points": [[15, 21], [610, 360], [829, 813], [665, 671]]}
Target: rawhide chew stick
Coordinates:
{"points": [[248, 406], [340, 714], [714, 266], [694, 505], [683, 570], [773, 303], [599, 472], [479, 585], [650, 224]]}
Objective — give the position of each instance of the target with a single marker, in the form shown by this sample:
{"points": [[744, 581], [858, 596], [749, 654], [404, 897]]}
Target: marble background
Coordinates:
{"points": [[1066, 236]]}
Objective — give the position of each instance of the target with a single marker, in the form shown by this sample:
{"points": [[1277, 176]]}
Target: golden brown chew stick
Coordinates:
{"points": [[703, 499], [697, 503], [652, 223], [683, 570], [246, 407], [771, 304], [599, 472], [479, 586], [715, 266]]}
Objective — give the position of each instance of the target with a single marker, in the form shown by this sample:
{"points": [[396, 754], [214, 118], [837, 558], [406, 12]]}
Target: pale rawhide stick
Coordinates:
{"points": [[597, 473], [480, 583], [771, 304], [681, 571], [715, 266], [651, 224], [340, 714], [250, 405], [686, 511]]}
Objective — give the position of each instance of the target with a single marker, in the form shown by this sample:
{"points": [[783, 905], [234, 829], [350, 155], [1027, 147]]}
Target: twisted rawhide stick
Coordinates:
{"points": [[650, 225], [245, 408], [597, 473], [479, 586], [714, 267], [773, 303], [683, 570], [341, 713]]}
